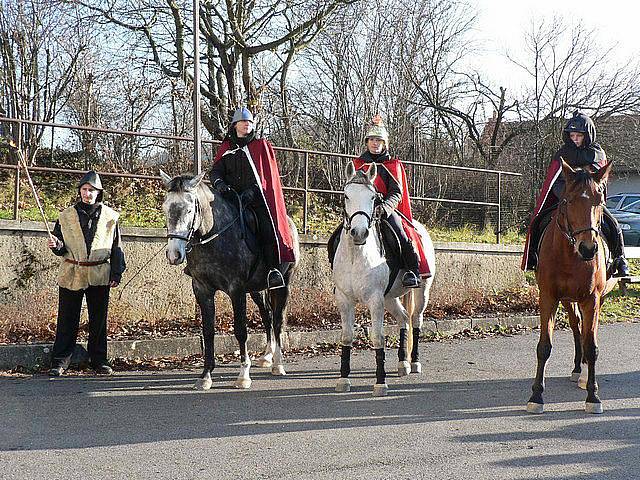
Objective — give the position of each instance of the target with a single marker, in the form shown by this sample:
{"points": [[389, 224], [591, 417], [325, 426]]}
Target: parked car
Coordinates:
{"points": [[622, 200], [629, 220]]}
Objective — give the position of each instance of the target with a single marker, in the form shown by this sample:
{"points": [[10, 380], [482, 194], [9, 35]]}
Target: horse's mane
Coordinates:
{"points": [[178, 184], [360, 178], [583, 177]]}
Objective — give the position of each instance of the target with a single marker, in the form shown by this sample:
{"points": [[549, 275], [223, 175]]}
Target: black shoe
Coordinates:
{"points": [[622, 267], [56, 371], [275, 279], [410, 280], [104, 370]]}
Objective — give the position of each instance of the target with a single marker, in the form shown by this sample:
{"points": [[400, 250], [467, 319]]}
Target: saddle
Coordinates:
{"points": [[390, 248]]}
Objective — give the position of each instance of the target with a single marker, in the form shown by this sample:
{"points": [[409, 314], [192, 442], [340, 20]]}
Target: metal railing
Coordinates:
{"points": [[306, 189]]}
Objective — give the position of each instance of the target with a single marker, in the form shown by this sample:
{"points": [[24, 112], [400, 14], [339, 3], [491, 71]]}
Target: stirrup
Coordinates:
{"points": [[275, 279], [410, 280]]}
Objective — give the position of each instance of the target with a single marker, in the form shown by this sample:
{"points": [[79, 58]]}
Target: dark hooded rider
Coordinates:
{"points": [[248, 165], [87, 238], [396, 208], [580, 150]]}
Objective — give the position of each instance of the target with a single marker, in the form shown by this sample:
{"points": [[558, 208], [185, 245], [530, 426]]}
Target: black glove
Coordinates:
{"points": [[221, 187], [248, 196]]}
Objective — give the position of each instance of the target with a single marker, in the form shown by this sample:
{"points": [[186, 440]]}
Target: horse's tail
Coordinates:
{"points": [[409, 304]]}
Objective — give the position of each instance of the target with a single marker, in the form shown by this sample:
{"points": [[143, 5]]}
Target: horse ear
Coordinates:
{"points": [[602, 175], [372, 172], [195, 181], [165, 178], [349, 170], [567, 170]]}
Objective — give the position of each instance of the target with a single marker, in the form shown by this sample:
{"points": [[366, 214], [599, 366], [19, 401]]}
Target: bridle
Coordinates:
{"points": [[569, 232], [349, 218], [191, 230], [197, 220]]}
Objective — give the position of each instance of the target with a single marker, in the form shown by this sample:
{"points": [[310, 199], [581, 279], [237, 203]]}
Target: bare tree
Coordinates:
{"points": [[238, 36], [39, 54]]}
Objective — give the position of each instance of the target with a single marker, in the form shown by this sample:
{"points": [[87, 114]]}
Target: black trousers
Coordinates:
{"points": [[69, 306], [266, 235], [409, 255]]}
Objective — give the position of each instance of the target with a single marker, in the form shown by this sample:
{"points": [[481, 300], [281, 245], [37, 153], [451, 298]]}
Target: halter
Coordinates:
{"points": [[206, 238], [570, 233]]}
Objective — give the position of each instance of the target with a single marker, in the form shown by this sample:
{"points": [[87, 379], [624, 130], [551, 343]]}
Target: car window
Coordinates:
{"points": [[629, 199], [633, 207], [612, 202]]}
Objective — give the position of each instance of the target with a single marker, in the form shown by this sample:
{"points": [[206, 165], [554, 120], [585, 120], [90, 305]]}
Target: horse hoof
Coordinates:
{"points": [[380, 389], [242, 383], [203, 384], [404, 368], [582, 383], [593, 407], [416, 367], [344, 385], [533, 407], [278, 370], [264, 362], [575, 376]]}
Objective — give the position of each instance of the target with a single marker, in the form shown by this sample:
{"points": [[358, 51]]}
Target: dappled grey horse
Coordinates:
{"points": [[361, 275], [205, 229]]}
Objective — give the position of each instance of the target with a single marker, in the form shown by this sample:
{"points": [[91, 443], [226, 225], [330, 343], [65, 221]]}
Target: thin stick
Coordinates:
{"points": [[23, 162]]}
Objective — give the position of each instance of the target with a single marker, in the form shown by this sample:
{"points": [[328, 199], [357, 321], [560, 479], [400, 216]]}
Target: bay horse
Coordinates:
{"points": [[205, 229], [572, 270], [361, 274]]}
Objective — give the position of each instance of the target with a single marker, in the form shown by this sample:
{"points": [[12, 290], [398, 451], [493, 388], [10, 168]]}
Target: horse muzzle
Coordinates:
{"points": [[359, 236], [175, 251], [587, 253]]}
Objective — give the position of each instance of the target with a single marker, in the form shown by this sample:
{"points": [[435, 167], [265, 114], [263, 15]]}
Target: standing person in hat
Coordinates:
{"points": [[248, 165], [87, 238], [391, 182], [580, 150]]}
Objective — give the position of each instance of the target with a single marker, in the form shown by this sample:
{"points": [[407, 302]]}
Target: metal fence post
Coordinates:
{"points": [[16, 183], [305, 203], [499, 207]]}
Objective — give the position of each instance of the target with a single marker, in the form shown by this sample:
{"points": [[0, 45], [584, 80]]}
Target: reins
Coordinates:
{"points": [[210, 235]]}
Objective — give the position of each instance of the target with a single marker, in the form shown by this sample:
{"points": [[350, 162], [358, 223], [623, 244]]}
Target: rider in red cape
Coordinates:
{"points": [[579, 150], [391, 182], [248, 165]]}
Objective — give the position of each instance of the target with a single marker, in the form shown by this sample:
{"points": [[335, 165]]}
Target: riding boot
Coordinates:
{"points": [[613, 236], [411, 278], [274, 276]]}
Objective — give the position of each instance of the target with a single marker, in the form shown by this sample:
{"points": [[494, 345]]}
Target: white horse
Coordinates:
{"points": [[361, 274]]}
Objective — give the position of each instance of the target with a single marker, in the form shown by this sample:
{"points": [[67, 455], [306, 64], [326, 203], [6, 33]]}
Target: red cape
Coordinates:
{"points": [[263, 158], [396, 169], [546, 198]]}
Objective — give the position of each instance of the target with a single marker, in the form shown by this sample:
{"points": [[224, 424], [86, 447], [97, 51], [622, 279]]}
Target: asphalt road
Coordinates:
{"points": [[464, 417]]}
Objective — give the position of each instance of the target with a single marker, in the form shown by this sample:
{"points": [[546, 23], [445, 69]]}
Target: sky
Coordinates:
{"points": [[501, 24]]}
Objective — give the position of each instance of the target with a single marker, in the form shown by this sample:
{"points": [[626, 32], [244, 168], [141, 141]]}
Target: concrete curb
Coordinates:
{"points": [[38, 355]]}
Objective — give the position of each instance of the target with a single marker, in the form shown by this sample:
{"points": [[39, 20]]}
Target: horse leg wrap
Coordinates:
{"points": [[345, 361], [414, 350], [380, 373], [402, 354]]}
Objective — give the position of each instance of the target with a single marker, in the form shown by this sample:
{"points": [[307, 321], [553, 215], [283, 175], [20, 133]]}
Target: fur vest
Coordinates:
{"points": [[73, 276]]}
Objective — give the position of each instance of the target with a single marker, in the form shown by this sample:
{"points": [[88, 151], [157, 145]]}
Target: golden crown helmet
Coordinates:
{"points": [[377, 129]]}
